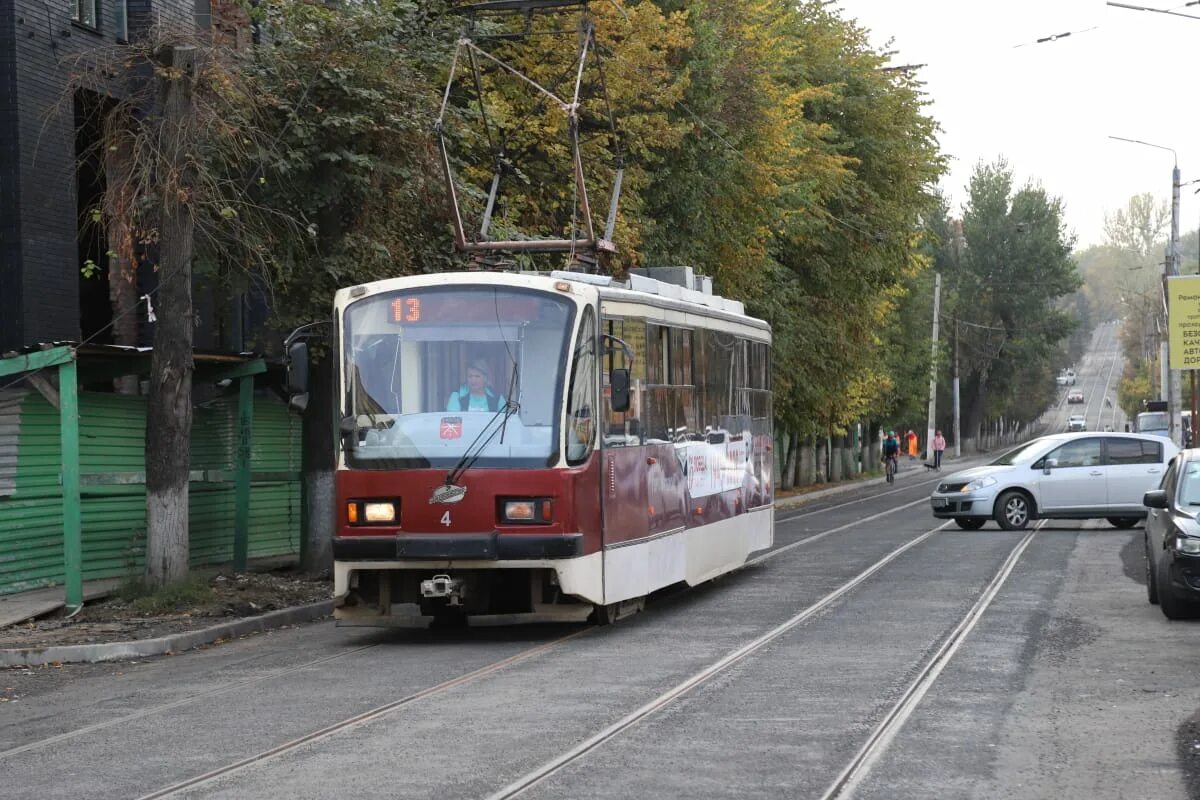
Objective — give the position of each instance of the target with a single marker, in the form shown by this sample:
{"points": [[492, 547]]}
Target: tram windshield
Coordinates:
{"points": [[432, 373]]}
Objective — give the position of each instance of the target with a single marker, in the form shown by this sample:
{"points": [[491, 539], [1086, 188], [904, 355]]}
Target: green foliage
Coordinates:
{"points": [[146, 599], [1137, 386], [1007, 296]]}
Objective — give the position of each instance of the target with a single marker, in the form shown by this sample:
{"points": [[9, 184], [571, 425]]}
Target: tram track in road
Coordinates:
{"points": [[848, 780], [361, 719], [124, 719], [863, 759], [665, 699]]}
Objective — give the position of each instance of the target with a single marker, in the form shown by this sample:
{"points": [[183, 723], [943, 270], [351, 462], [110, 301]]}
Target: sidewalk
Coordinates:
{"points": [[19, 607], [909, 470]]}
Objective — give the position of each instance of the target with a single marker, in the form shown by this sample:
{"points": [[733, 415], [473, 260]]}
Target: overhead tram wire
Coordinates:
{"points": [[1131, 7]]}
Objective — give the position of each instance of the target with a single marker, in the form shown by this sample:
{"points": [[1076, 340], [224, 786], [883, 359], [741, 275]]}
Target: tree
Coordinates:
{"points": [[1139, 226], [177, 147], [1016, 271]]}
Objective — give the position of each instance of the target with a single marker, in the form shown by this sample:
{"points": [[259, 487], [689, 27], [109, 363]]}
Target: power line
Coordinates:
{"points": [[1154, 10]]}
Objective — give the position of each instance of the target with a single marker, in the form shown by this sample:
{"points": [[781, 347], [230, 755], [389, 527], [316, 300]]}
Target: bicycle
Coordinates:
{"points": [[890, 465]]}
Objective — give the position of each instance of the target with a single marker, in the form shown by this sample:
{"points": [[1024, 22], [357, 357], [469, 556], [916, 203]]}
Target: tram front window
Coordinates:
{"points": [[429, 370]]}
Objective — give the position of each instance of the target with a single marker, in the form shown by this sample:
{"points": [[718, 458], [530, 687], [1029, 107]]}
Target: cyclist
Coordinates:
{"points": [[891, 455]]}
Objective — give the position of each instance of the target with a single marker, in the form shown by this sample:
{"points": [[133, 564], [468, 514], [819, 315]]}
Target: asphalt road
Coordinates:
{"points": [[1097, 376], [873, 653]]}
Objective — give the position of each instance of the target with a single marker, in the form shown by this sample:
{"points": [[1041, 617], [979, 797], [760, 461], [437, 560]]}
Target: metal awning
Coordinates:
{"points": [[69, 361]]}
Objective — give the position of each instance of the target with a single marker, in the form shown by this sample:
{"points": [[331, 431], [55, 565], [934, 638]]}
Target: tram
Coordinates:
{"points": [[520, 447]]}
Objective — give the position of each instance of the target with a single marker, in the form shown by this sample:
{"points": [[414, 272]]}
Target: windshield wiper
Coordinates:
{"points": [[475, 449]]}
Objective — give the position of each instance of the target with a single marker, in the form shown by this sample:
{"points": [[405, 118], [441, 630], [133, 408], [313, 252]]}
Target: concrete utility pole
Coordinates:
{"points": [[959, 241], [933, 359], [1174, 382]]}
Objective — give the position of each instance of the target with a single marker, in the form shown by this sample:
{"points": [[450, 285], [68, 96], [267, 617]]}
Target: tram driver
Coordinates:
{"points": [[477, 393]]}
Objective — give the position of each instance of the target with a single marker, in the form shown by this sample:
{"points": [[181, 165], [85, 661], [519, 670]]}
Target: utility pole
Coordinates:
{"points": [[933, 359], [958, 243], [1174, 384]]}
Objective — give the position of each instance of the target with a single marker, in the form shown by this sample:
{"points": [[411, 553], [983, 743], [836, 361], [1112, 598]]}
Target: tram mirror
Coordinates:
{"points": [[298, 403], [297, 368], [618, 383]]}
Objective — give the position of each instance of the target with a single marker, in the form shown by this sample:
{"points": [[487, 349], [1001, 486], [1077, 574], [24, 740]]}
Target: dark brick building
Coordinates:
{"points": [[47, 187]]}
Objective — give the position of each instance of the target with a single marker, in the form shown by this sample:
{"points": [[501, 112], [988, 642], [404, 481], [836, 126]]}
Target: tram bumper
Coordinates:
{"points": [[487, 580], [474, 546]]}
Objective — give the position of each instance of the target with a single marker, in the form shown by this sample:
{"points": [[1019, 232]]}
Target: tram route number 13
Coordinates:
{"points": [[446, 519], [406, 309]]}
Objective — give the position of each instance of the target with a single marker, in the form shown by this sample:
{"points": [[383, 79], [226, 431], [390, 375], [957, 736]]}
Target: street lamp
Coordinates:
{"points": [[1171, 268]]}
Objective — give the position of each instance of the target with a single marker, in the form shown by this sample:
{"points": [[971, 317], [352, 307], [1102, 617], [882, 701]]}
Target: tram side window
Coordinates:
{"points": [[717, 388], [667, 412], [624, 428], [581, 401]]}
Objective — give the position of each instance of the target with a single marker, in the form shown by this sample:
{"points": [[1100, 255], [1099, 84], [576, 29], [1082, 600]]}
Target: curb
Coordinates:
{"points": [[162, 645]]}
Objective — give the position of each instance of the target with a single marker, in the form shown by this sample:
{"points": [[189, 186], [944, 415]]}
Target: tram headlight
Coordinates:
{"points": [[373, 512], [527, 511], [379, 512]]}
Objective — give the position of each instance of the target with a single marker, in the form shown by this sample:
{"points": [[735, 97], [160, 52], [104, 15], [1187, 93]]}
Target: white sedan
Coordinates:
{"points": [[1064, 476]]}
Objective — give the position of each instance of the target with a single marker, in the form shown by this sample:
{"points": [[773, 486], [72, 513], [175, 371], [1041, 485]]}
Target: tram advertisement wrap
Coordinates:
{"points": [[715, 468]]}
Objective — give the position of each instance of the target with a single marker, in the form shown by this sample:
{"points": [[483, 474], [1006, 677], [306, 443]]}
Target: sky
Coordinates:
{"points": [[1050, 107]]}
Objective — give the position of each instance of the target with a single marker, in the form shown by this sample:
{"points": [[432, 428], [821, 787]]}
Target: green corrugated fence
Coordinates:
{"points": [[111, 445]]}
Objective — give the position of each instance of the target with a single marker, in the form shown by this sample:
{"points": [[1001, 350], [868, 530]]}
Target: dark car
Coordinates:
{"points": [[1172, 538]]}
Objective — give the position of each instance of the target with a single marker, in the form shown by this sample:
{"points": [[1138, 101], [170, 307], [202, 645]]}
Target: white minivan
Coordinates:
{"points": [[1064, 476]]}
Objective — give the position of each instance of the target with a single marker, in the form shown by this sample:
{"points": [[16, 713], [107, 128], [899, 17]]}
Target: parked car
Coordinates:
{"points": [[1065, 378], [1172, 539], [1062, 476], [1075, 396], [1077, 422]]}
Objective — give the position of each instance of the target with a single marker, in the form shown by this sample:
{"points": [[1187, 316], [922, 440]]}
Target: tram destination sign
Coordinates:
{"points": [[1183, 318]]}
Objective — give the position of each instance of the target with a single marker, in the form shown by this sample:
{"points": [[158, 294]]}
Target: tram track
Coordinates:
{"points": [[881, 737], [883, 734], [174, 704], [363, 718], [851, 776]]}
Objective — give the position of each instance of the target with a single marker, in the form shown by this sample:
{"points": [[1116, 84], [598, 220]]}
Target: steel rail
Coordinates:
{"points": [[146, 712], [363, 718], [536, 776], [885, 732]]}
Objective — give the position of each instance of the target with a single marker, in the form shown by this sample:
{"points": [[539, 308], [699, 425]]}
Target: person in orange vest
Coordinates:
{"points": [[911, 439]]}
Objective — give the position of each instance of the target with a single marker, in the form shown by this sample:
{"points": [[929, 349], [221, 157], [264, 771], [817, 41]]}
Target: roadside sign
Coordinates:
{"points": [[1183, 320]]}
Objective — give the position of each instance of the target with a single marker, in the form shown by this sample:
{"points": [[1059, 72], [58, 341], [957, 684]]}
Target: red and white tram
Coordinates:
{"points": [[520, 447]]}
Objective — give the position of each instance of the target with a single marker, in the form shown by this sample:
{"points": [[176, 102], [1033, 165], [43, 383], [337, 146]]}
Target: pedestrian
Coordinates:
{"points": [[911, 439], [939, 447]]}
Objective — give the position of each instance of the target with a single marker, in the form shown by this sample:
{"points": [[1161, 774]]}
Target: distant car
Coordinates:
{"points": [[1062, 476], [1077, 422], [1075, 396], [1065, 378], [1172, 539]]}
